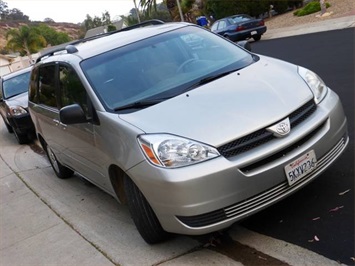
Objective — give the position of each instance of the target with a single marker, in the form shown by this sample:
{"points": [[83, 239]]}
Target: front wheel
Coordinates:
{"points": [[60, 170], [21, 138], [143, 215]]}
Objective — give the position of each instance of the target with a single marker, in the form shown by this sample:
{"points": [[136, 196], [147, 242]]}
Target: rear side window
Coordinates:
{"points": [[222, 24], [47, 86], [33, 92], [214, 26]]}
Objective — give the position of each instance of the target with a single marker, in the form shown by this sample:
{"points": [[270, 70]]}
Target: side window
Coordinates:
{"points": [[46, 86], [33, 91], [214, 26], [71, 89], [222, 24], [0, 88]]}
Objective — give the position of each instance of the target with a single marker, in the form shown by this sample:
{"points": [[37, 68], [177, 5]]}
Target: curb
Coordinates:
{"points": [[319, 26]]}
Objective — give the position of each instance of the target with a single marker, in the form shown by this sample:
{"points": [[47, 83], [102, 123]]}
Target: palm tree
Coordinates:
{"points": [[137, 11], [171, 5], [25, 40]]}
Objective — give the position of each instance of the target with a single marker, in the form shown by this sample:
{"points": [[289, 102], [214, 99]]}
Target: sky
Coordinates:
{"points": [[73, 11]]}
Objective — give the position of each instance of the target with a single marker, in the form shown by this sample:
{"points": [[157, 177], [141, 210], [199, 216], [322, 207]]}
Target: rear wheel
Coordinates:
{"points": [[60, 170], [257, 37], [143, 215]]}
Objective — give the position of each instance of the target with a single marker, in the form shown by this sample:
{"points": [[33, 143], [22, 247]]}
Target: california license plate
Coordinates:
{"points": [[300, 167], [254, 32]]}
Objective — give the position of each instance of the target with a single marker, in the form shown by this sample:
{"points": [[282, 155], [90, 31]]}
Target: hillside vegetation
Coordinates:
{"points": [[73, 30]]}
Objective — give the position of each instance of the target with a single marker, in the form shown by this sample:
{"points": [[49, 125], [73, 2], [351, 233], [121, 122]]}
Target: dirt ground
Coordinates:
{"points": [[338, 8]]}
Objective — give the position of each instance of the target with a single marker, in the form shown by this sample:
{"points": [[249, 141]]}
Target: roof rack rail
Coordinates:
{"points": [[58, 48], [70, 46]]}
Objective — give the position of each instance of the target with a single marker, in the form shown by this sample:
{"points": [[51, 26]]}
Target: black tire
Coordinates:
{"points": [[61, 171], [21, 138], [257, 37], [143, 216]]}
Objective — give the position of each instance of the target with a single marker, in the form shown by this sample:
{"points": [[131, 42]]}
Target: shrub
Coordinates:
{"points": [[311, 7]]}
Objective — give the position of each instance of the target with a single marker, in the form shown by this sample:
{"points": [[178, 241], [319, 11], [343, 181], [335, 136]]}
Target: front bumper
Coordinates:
{"points": [[212, 195]]}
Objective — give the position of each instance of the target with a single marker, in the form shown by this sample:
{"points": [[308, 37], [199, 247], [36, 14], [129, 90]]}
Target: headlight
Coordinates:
{"points": [[172, 151], [315, 83], [17, 110]]}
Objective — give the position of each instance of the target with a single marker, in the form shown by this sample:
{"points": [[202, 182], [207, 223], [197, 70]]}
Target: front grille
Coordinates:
{"points": [[283, 152], [263, 136], [265, 198]]}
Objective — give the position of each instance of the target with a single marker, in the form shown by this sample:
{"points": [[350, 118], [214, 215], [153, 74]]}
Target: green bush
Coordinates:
{"points": [[311, 7]]}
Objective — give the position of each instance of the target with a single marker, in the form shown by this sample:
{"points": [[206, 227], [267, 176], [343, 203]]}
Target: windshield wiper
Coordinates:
{"points": [[140, 104], [209, 79]]}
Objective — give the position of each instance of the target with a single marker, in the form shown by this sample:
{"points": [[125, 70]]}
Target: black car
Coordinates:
{"points": [[14, 104], [239, 27]]}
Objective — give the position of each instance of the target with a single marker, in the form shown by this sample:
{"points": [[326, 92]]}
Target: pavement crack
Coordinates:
{"points": [[179, 255]]}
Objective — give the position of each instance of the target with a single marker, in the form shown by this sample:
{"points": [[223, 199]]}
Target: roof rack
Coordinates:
{"points": [[70, 46]]}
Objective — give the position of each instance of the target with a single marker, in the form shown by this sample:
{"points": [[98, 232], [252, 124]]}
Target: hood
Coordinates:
{"points": [[18, 100], [230, 107]]}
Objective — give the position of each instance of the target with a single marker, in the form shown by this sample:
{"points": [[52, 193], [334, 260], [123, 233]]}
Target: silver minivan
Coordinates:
{"points": [[192, 131]]}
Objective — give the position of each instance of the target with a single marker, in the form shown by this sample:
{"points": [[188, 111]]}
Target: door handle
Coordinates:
{"points": [[58, 123]]}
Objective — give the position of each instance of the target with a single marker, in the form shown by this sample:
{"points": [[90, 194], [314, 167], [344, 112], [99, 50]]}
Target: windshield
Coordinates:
{"points": [[161, 67], [16, 85], [239, 18]]}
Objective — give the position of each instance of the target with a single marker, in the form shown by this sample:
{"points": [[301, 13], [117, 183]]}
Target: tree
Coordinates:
{"points": [[111, 28], [323, 7], [106, 18], [48, 20], [16, 14], [3, 10], [51, 36], [137, 11], [90, 23], [25, 40]]}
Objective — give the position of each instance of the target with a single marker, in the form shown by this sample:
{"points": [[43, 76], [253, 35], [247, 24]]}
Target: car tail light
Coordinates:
{"points": [[240, 28], [261, 23]]}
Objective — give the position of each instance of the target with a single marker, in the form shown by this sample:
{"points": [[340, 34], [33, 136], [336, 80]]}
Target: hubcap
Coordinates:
{"points": [[52, 159]]}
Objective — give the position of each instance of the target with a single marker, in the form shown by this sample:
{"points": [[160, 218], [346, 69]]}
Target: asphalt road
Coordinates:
{"points": [[320, 210]]}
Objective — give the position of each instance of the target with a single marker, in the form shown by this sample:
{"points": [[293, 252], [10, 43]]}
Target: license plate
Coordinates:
{"points": [[254, 32], [300, 167]]}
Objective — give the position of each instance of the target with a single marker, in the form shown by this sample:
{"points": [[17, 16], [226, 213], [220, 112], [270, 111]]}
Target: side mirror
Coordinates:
{"points": [[245, 44], [72, 114]]}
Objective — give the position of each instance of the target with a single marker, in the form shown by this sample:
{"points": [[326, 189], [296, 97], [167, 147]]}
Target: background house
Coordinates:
{"points": [[103, 29], [11, 63]]}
